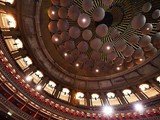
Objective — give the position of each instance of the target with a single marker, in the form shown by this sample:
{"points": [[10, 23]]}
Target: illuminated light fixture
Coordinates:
{"points": [[28, 60], [95, 96], [9, 113], [108, 110], [56, 39], [139, 107], [18, 43], [77, 65], [158, 79], [97, 70], [65, 54], [108, 47], [79, 95], [84, 20], [38, 87], [65, 91], [127, 92], [140, 59], [144, 87], [118, 68], [53, 13], [147, 28], [110, 95], [29, 78]]}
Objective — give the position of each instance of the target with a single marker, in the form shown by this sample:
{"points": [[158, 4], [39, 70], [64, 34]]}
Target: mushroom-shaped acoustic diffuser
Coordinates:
{"points": [[147, 7], [147, 28], [62, 12], [52, 26], [145, 40], [69, 45], [156, 40], [134, 39], [138, 53], [102, 30], [156, 14], [96, 44], [74, 32], [84, 20], [65, 36], [63, 25], [87, 5], [56, 39], [55, 2], [138, 21], [73, 12], [87, 34], [98, 14], [95, 55], [65, 3], [83, 46], [53, 12]]}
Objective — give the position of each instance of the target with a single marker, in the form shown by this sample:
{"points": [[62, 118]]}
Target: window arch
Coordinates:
{"points": [[50, 87], [95, 100], [8, 1], [64, 94]]}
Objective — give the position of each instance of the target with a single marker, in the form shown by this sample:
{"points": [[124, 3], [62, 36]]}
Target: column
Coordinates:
{"points": [[137, 91], [88, 97], [31, 69], [44, 81], [58, 89], [120, 96], [154, 84], [12, 32], [72, 99], [103, 97], [21, 52]]}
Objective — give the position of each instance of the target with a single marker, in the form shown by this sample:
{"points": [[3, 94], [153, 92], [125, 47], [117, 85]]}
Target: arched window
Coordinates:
{"points": [[7, 21], [144, 87], [64, 94], [95, 100], [129, 96], [27, 60], [50, 87], [148, 90], [158, 79], [24, 62], [18, 43], [127, 92], [37, 76], [111, 95], [13, 44], [8, 1], [80, 98], [112, 99]]}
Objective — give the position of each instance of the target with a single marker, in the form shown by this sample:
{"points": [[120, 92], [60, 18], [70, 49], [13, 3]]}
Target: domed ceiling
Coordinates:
{"points": [[96, 42], [74, 57], [102, 38]]}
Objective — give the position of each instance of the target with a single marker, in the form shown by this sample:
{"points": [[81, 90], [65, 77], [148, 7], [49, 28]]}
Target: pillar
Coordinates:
{"points": [[31, 69], [58, 89], [137, 91], [120, 96], [88, 97], [21, 52]]}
